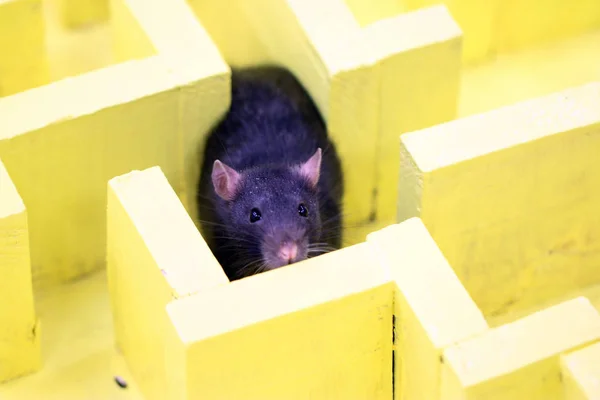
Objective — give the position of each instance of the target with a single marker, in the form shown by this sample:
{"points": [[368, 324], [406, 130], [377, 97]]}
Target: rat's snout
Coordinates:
{"points": [[284, 247], [288, 252]]}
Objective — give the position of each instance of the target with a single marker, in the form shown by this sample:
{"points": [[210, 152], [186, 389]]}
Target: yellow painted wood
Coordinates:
{"points": [[128, 38], [476, 19], [74, 147], [432, 308], [581, 373], [510, 197], [80, 360], [321, 328], [74, 144], [79, 356], [154, 254], [196, 66], [367, 12], [415, 92], [231, 31], [23, 64], [520, 360], [75, 13], [72, 52], [19, 326], [499, 26], [519, 24], [536, 72]]}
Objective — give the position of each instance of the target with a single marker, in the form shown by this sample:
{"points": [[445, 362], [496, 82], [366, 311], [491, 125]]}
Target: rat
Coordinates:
{"points": [[271, 181]]}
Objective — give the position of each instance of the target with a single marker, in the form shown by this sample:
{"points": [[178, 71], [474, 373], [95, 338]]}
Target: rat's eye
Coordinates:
{"points": [[302, 210], [255, 215]]}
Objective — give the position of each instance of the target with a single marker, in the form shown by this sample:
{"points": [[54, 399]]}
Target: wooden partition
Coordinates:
{"points": [[62, 142], [472, 291], [511, 197], [155, 254], [401, 314], [343, 315], [19, 327]]}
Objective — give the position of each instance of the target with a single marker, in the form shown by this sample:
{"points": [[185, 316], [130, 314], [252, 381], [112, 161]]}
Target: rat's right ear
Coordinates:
{"points": [[311, 169], [225, 180]]}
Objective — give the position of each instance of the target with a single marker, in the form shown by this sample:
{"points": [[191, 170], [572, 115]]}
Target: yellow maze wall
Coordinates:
{"points": [[479, 296]]}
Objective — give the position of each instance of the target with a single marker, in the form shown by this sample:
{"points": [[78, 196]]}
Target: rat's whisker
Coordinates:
{"points": [[262, 268], [237, 239], [248, 265]]}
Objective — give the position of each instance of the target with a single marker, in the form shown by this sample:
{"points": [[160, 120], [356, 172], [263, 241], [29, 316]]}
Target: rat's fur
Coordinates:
{"points": [[271, 128]]}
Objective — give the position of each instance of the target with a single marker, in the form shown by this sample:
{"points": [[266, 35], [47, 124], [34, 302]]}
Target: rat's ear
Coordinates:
{"points": [[225, 180], [311, 169]]}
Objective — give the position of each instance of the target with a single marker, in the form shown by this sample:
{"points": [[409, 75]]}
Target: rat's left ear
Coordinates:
{"points": [[311, 169]]}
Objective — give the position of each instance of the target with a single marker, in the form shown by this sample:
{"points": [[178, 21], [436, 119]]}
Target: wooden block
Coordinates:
{"points": [[415, 92], [519, 360], [510, 197], [432, 308], [19, 327], [321, 328], [154, 254], [153, 111], [23, 64], [581, 373], [75, 13]]}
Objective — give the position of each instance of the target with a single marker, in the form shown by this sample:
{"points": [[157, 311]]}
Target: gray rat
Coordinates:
{"points": [[271, 181]]}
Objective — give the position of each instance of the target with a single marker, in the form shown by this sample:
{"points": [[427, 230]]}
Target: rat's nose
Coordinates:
{"points": [[288, 252]]}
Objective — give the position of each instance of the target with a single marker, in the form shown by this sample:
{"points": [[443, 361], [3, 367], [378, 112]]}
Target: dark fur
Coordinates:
{"points": [[272, 124]]}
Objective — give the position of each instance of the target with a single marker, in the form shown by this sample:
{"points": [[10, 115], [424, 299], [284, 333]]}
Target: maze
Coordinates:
{"points": [[478, 273]]}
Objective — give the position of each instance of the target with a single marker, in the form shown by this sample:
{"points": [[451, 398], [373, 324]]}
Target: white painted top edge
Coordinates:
{"points": [[473, 136], [412, 30], [88, 93]]}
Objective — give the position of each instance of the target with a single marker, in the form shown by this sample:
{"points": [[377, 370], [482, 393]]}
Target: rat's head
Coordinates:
{"points": [[272, 212]]}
